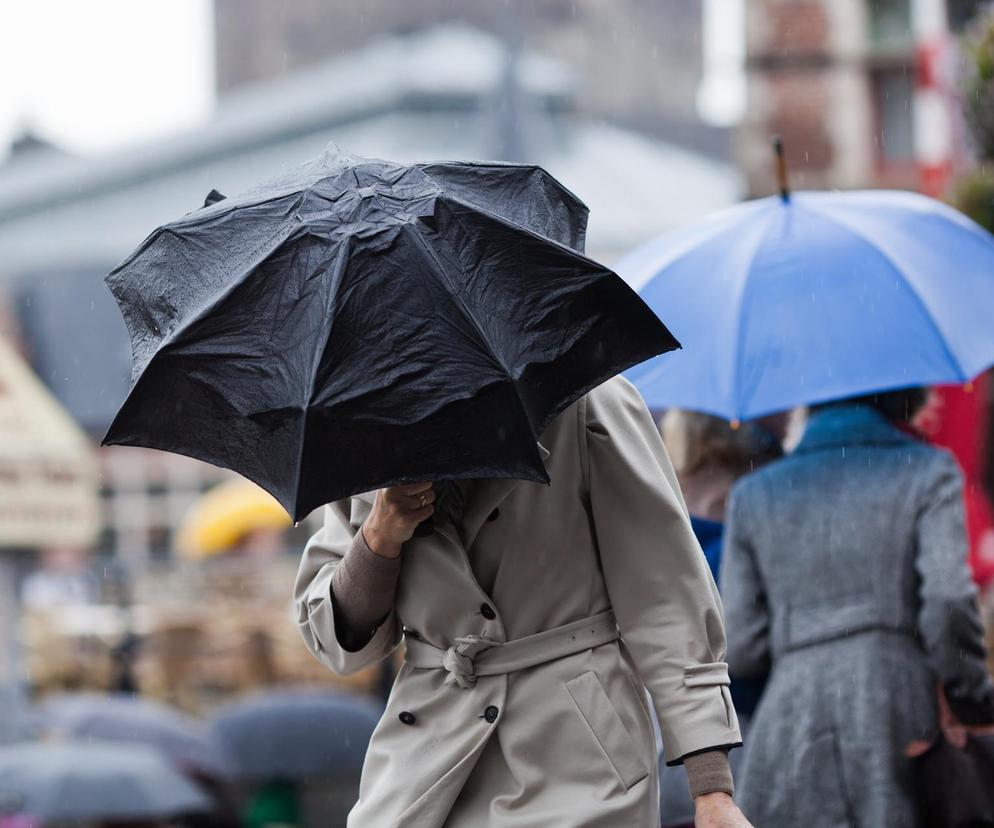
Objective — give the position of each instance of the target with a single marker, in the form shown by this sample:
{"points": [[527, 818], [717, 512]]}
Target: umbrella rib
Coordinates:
{"points": [[426, 248], [343, 257], [741, 332], [447, 195], [518, 228], [264, 250], [845, 225], [469, 314]]}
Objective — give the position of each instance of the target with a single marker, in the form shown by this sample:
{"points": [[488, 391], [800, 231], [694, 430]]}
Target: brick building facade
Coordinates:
{"points": [[862, 92]]}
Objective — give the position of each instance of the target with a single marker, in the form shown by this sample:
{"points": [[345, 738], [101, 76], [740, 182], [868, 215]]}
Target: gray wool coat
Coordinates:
{"points": [[844, 572]]}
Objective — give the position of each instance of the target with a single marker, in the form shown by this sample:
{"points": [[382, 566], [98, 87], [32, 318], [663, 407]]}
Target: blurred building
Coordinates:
{"points": [[638, 62], [862, 91], [449, 91]]}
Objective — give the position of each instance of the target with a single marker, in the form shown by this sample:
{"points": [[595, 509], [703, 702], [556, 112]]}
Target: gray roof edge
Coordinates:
{"points": [[288, 106]]}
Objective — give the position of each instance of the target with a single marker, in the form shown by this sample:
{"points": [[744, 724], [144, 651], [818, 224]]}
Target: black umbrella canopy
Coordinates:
{"points": [[358, 323]]}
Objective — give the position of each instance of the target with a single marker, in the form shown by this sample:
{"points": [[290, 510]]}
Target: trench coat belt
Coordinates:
{"points": [[473, 655]]}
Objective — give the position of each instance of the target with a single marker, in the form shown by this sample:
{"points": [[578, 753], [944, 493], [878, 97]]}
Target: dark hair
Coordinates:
{"points": [[898, 406]]}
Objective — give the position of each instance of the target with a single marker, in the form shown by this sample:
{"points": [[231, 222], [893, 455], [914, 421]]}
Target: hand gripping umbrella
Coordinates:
{"points": [[358, 323]]}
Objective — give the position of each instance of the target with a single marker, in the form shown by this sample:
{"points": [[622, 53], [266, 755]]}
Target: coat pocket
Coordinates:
{"points": [[606, 726]]}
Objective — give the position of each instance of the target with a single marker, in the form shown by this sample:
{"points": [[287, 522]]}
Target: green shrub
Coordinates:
{"points": [[973, 194]]}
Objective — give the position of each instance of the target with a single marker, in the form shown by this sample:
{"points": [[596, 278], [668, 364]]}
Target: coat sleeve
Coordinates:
{"points": [[657, 577], [325, 636], [948, 619], [744, 593]]}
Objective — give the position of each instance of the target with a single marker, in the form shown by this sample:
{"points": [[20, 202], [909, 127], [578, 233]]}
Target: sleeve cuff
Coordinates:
{"points": [[709, 772], [364, 584]]}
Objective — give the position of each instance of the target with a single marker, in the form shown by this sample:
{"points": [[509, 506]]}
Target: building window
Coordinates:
{"points": [[893, 91], [890, 22], [962, 13]]}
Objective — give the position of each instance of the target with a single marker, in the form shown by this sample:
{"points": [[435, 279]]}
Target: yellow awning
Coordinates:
{"points": [[48, 470]]}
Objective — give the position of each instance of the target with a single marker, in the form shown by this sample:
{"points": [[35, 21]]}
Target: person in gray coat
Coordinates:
{"points": [[844, 576]]}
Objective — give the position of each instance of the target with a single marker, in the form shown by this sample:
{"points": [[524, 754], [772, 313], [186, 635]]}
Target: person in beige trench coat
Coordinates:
{"points": [[524, 704]]}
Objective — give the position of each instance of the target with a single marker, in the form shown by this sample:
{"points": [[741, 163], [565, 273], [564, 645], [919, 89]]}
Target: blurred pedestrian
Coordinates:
{"points": [[518, 703], [63, 579], [709, 454], [845, 578]]}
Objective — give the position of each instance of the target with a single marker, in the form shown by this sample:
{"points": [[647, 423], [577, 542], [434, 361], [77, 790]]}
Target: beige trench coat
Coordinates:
{"points": [[568, 742]]}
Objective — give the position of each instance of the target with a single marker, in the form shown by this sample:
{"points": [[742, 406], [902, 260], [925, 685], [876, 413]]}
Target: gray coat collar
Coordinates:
{"points": [[850, 425]]}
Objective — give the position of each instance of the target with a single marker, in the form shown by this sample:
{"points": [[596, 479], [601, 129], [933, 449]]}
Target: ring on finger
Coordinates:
{"points": [[423, 498]]}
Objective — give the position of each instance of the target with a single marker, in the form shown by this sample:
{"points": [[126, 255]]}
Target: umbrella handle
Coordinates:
{"points": [[781, 169], [425, 528]]}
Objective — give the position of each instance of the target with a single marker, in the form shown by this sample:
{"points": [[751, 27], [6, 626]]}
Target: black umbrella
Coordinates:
{"points": [[91, 781], [357, 323], [295, 734], [125, 718]]}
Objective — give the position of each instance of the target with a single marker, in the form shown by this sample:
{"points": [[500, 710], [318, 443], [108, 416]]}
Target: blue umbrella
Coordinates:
{"points": [[789, 301]]}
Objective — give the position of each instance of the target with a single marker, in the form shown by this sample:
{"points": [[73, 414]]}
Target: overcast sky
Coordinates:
{"points": [[93, 75]]}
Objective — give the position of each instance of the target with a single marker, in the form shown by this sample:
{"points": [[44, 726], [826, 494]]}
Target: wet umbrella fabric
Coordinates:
{"points": [[357, 323], [827, 296], [181, 739], [296, 735], [94, 781]]}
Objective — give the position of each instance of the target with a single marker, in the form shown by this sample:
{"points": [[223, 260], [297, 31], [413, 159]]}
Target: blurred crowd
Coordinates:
{"points": [[185, 694]]}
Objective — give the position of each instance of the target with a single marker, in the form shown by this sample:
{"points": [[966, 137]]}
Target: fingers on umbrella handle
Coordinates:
{"points": [[425, 528]]}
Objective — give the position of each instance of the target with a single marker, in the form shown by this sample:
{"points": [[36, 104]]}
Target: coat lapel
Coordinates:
{"points": [[487, 495]]}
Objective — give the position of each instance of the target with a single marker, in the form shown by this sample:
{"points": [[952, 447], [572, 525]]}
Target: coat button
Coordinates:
{"points": [[406, 717], [491, 714], [487, 612], [494, 514]]}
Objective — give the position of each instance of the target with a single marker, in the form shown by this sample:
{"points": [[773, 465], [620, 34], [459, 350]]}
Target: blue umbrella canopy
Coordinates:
{"points": [[181, 739], [296, 734], [820, 296], [93, 781]]}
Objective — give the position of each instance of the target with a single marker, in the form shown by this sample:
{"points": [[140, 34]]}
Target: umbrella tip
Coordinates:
{"points": [[213, 197], [781, 162]]}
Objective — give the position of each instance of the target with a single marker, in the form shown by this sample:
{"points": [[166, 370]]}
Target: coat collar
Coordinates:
{"points": [[487, 495], [849, 425]]}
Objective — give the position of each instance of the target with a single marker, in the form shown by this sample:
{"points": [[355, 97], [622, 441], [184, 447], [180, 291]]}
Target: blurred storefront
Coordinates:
{"points": [[48, 491]]}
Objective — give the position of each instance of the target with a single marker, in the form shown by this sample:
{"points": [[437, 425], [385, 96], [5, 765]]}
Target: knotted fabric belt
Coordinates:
{"points": [[473, 655]]}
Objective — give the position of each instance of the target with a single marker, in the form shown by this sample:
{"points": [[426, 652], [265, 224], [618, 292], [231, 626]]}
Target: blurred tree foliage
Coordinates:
{"points": [[978, 97], [973, 193]]}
